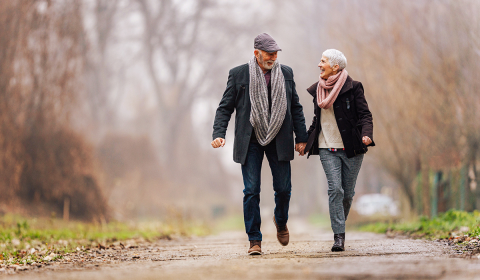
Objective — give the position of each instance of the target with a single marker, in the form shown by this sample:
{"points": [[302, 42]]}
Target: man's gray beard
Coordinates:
{"points": [[265, 63], [266, 66]]}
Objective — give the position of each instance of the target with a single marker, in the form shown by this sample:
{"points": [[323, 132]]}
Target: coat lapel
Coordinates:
{"points": [[347, 86], [313, 89]]}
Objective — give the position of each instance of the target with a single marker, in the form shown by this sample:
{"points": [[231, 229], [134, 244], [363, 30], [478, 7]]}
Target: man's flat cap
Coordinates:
{"points": [[266, 43]]}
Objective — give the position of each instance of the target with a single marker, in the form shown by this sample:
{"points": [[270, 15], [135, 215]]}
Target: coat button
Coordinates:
{"points": [[340, 119], [343, 130]]}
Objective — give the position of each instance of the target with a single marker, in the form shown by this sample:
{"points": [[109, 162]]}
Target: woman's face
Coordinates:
{"points": [[325, 69]]}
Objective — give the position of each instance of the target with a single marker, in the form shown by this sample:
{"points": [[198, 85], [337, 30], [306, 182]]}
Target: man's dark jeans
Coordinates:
{"points": [[282, 186]]}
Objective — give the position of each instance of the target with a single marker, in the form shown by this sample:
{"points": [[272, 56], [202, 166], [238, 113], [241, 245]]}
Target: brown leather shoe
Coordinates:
{"points": [[283, 236], [255, 247]]}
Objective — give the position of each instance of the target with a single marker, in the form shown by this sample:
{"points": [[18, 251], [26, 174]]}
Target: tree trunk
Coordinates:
{"points": [[425, 191]]}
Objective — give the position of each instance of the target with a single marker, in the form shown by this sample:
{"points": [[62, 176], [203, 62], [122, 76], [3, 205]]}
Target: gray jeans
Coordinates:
{"points": [[341, 174]]}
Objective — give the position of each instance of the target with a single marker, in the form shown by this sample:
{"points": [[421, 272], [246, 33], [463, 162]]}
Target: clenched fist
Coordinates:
{"points": [[218, 142], [366, 140]]}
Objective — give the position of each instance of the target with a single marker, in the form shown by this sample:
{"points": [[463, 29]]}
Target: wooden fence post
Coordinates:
{"points": [[66, 209], [436, 180], [463, 175]]}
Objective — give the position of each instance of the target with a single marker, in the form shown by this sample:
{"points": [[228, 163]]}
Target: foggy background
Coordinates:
{"points": [[107, 106]]}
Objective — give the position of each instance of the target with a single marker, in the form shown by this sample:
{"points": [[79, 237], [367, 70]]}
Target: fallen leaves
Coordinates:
{"points": [[464, 246], [96, 254]]}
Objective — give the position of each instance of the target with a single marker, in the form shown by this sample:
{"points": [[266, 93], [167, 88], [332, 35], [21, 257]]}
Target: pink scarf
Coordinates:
{"points": [[335, 83]]}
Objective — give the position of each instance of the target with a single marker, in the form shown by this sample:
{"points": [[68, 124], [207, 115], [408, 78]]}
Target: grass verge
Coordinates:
{"points": [[319, 220], [227, 223], [449, 224], [27, 241]]}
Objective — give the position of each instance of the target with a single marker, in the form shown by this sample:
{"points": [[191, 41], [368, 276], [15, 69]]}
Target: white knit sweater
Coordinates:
{"points": [[330, 135]]}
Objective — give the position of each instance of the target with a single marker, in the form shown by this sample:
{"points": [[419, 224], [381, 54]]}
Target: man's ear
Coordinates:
{"points": [[256, 52], [336, 68]]}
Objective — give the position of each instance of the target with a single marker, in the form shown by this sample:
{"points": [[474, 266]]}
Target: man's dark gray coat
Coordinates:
{"points": [[236, 97]]}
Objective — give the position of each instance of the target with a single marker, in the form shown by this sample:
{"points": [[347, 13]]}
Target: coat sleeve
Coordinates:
{"points": [[299, 127], [225, 109], [364, 115], [314, 120]]}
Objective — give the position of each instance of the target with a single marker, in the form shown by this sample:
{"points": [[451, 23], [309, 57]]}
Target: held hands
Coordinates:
{"points": [[218, 142], [366, 140], [300, 148]]}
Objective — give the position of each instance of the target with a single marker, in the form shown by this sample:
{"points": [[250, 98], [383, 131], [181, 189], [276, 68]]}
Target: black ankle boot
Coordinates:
{"points": [[339, 244]]}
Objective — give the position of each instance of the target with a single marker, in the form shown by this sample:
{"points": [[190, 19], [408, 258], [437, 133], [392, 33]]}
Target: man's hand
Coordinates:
{"points": [[300, 148], [366, 140], [219, 142]]}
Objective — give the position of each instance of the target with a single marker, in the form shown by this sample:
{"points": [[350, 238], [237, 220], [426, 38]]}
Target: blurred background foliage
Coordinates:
{"points": [[107, 106]]}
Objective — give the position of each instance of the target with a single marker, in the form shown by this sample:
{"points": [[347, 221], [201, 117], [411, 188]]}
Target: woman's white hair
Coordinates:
{"points": [[336, 57]]}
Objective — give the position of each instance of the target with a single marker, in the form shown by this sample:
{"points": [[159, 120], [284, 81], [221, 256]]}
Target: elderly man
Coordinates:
{"points": [[267, 113]]}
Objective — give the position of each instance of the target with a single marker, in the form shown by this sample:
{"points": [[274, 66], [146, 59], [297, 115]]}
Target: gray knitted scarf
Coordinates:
{"points": [[266, 125]]}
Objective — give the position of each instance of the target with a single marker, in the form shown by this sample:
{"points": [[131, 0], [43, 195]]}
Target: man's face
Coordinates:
{"points": [[265, 59]]}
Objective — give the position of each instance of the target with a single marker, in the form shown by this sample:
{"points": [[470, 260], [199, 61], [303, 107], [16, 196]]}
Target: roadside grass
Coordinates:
{"points": [[33, 240], [319, 220], [228, 223], [445, 225]]}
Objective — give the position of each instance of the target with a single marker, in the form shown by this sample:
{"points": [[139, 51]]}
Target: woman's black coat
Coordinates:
{"points": [[354, 119]]}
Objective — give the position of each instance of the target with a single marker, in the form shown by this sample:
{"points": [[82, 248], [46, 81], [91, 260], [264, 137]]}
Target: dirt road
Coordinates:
{"points": [[308, 256]]}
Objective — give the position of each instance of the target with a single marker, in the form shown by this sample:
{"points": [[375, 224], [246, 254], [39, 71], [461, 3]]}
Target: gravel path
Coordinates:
{"points": [[223, 256]]}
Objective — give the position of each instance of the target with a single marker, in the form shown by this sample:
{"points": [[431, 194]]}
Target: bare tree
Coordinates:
{"points": [[45, 163]]}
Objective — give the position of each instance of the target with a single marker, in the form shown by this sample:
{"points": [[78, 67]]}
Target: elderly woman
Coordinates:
{"points": [[341, 130]]}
